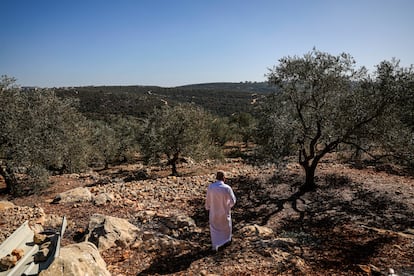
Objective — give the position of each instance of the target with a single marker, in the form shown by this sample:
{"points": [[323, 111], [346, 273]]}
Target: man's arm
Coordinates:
{"points": [[207, 204], [232, 197]]}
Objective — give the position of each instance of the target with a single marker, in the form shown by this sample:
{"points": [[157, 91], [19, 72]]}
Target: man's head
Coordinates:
{"points": [[220, 176]]}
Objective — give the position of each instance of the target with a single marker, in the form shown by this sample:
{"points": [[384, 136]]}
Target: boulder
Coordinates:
{"points": [[7, 262], [256, 231], [45, 250], [167, 244], [163, 244], [106, 232], [53, 221], [178, 221], [80, 194], [6, 205], [103, 198], [77, 259]]}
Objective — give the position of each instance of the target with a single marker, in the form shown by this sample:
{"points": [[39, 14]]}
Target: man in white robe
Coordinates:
{"points": [[219, 201]]}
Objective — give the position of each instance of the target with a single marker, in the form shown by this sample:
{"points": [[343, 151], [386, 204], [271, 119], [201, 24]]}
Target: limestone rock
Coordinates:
{"points": [[6, 205], [77, 259], [7, 262], [163, 244], [39, 238], [179, 221], [256, 231], [44, 251], [80, 194], [18, 252], [107, 231], [53, 221], [103, 198]]}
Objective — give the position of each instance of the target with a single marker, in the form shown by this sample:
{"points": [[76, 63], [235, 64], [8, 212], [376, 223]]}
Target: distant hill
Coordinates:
{"points": [[222, 99], [251, 87]]}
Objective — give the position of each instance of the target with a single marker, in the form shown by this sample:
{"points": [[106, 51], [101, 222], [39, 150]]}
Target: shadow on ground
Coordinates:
{"points": [[319, 229], [174, 263]]}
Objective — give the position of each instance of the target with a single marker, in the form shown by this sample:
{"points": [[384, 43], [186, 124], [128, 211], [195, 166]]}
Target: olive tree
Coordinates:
{"points": [[105, 142], [176, 132], [114, 139], [243, 125], [39, 133], [127, 129], [324, 101], [221, 130], [394, 133]]}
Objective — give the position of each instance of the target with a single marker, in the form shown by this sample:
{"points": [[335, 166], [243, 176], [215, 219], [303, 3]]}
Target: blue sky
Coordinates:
{"points": [[176, 42]]}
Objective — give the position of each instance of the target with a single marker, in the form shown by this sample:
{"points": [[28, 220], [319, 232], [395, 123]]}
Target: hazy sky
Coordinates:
{"points": [[177, 42]]}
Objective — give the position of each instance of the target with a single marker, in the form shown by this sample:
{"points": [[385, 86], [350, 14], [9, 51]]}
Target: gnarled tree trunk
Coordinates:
{"points": [[173, 162], [10, 179], [309, 184]]}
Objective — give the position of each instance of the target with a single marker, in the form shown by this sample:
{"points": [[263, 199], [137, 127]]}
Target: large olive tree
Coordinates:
{"points": [[175, 132], [39, 133], [324, 101]]}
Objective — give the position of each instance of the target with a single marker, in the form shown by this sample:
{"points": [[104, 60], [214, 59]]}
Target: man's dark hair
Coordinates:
{"points": [[220, 175]]}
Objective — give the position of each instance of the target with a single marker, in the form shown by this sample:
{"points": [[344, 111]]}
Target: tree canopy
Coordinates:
{"points": [[324, 101], [176, 132], [40, 132]]}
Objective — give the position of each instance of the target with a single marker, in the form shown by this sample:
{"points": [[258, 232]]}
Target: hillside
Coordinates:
{"points": [[221, 99], [359, 221], [249, 87]]}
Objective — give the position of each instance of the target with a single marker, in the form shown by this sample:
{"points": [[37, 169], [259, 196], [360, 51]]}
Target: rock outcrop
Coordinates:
{"points": [[106, 232], [80, 194], [6, 205], [256, 231], [77, 259], [103, 198]]}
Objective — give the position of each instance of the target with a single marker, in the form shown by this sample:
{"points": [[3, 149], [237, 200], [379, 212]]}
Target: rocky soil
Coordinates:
{"points": [[358, 222]]}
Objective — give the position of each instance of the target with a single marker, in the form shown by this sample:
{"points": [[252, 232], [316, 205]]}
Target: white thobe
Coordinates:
{"points": [[220, 199]]}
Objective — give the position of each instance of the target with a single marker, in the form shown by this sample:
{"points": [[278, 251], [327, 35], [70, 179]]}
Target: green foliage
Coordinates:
{"points": [[249, 87], [105, 142], [244, 125], [221, 131], [127, 129], [40, 132], [276, 132], [114, 140], [97, 102], [309, 108], [396, 129], [176, 132], [324, 102]]}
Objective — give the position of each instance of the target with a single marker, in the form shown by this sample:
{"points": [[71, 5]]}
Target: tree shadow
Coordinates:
{"points": [[373, 208], [199, 213], [249, 200], [258, 200], [346, 252], [326, 211], [256, 203], [333, 224], [174, 263]]}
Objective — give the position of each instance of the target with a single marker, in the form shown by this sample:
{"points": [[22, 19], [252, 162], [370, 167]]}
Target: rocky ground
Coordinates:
{"points": [[358, 222]]}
